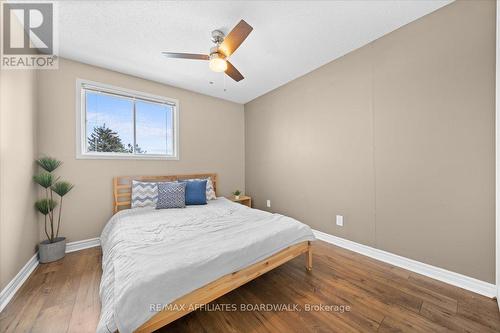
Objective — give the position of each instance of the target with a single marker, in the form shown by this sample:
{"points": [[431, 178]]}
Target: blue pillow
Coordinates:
{"points": [[196, 192], [171, 195]]}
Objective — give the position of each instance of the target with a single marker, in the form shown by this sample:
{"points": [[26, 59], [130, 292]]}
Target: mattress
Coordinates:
{"points": [[152, 257]]}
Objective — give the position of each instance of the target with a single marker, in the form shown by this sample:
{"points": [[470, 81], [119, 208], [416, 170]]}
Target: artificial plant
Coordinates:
{"points": [[48, 204]]}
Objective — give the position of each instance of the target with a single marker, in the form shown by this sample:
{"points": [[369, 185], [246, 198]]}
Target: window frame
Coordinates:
{"points": [[81, 121]]}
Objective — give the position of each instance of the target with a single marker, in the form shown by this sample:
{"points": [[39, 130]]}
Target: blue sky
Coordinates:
{"points": [[153, 121]]}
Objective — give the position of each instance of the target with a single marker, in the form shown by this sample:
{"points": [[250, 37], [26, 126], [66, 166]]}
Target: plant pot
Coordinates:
{"points": [[48, 252], [237, 197]]}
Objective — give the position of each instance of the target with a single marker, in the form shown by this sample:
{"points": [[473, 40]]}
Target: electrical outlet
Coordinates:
{"points": [[268, 203], [339, 220]]}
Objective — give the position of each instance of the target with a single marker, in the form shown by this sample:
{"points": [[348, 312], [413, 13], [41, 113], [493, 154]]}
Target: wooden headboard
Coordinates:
{"points": [[122, 186]]}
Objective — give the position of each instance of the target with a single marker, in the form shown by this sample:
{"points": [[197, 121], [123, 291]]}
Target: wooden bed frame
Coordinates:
{"points": [[122, 192]]}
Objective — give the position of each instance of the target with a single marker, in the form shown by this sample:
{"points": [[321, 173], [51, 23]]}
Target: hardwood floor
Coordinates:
{"points": [[64, 297]]}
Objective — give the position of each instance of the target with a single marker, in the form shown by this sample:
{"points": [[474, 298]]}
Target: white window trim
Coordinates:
{"points": [[81, 123]]}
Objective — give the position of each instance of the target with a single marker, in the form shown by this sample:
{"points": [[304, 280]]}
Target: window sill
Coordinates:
{"points": [[125, 157]]}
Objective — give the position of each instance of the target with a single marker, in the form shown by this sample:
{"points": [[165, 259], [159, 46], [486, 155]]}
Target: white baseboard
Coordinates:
{"points": [[456, 279], [83, 244], [13, 286]]}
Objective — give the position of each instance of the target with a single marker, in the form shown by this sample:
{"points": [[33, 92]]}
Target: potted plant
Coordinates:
{"points": [[54, 247], [237, 194]]}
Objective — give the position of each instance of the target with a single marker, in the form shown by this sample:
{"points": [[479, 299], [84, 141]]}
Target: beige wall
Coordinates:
{"points": [[211, 140], [18, 219], [397, 136]]}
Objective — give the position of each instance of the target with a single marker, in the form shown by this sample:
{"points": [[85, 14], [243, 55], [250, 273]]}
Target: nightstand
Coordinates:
{"points": [[243, 199]]}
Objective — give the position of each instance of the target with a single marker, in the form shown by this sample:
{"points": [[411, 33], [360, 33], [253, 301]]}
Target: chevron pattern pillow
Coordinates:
{"points": [[210, 190], [171, 195], [144, 194]]}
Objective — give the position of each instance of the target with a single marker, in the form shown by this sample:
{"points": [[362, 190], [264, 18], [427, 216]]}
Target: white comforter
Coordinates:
{"points": [[155, 256]]}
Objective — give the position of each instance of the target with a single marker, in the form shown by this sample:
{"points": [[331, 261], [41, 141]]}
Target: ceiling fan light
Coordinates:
{"points": [[217, 63]]}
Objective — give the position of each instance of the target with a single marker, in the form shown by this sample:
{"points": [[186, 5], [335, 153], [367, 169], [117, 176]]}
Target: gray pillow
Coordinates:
{"points": [[171, 195]]}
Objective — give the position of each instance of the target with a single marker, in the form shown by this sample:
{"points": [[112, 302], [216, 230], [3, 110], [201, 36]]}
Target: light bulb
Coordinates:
{"points": [[217, 63]]}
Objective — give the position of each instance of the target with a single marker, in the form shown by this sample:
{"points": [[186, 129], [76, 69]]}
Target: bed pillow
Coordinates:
{"points": [[210, 187], [196, 191], [171, 195], [144, 194], [210, 190]]}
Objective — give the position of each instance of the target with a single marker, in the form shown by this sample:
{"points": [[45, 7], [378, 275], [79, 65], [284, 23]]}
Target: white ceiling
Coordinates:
{"points": [[290, 38]]}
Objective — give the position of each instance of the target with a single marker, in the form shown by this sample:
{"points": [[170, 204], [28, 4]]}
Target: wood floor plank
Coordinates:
{"points": [[64, 297], [451, 320], [85, 315], [444, 288], [481, 312], [386, 306], [360, 316], [21, 313], [416, 324], [57, 309], [383, 275], [294, 291], [377, 289]]}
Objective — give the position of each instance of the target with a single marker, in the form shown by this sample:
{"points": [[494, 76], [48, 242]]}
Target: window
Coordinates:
{"points": [[119, 123]]}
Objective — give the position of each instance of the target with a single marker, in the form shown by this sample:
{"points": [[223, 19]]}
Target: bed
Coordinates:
{"points": [[159, 265]]}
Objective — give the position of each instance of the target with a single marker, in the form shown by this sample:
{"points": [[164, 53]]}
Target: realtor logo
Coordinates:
{"points": [[28, 35]]}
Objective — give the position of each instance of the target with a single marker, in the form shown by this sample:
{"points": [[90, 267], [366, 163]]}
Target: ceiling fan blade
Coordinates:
{"points": [[233, 73], [235, 37], [185, 55]]}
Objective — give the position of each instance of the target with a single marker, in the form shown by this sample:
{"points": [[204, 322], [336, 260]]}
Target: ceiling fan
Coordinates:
{"points": [[224, 47]]}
